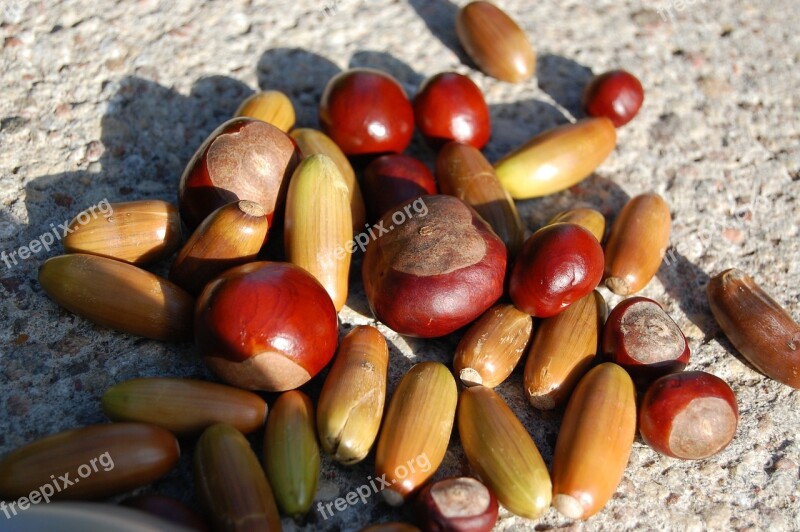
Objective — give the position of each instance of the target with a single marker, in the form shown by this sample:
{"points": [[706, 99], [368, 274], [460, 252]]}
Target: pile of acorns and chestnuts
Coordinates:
{"points": [[272, 326]]}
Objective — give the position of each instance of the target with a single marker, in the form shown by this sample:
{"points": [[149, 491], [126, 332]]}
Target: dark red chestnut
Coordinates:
{"points": [[558, 265], [690, 415], [393, 179], [266, 326], [449, 106], [460, 504], [243, 159], [366, 112], [616, 95], [167, 508], [645, 340], [433, 267]]}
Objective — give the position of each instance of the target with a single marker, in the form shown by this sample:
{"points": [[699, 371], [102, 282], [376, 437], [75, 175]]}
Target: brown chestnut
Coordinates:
{"points": [[559, 264], [459, 504], [243, 159], [433, 269], [266, 326], [642, 338], [616, 94], [690, 415], [393, 179]]}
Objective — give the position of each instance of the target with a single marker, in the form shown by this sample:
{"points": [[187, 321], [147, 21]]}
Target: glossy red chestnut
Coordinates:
{"points": [[449, 106], [458, 504], [167, 508], [266, 326], [690, 415], [243, 159], [559, 264], [366, 112], [616, 95], [645, 340], [393, 179], [434, 266]]}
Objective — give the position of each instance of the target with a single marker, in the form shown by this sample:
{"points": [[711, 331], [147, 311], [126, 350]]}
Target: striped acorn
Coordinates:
{"points": [[311, 141], [291, 453], [563, 349], [272, 107], [231, 484], [119, 296], [319, 225], [463, 172], [92, 462], [138, 232], [185, 407], [594, 442], [492, 346], [350, 406], [502, 452], [229, 236], [416, 430]]}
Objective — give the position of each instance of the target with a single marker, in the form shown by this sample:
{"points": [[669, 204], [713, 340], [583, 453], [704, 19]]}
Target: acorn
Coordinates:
{"points": [[589, 219], [637, 244], [495, 42], [318, 225], [184, 407], [272, 107], [229, 236], [463, 172], [594, 442], [231, 484], [168, 509], [500, 450], [350, 406], [87, 516], [757, 325], [291, 453], [492, 346], [92, 462], [557, 159], [118, 295], [563, 350], [138, 232], [416, 430], [311, 141]]}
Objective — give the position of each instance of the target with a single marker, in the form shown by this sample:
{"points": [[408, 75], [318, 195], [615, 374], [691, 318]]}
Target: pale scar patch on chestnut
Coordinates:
{"points": [[440, 242], [705, 426], [650, 335], [260, 153]]}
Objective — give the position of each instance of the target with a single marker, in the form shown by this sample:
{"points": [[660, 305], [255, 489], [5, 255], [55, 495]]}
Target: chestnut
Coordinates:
{"points": [[616, 95], [645, 340], [243, 159], [558, 265], [266, 326], [433, 269], [393, 179], [459, 504], [167, 508], [366, 112], [449, 106], [690, 415]]}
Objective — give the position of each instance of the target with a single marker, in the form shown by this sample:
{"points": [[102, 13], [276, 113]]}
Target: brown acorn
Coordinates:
{"points": [[492, 346], [757, 326], [229, 236]]}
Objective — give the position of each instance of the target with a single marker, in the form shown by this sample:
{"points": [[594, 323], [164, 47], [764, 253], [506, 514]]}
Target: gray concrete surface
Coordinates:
{"points": [[108, 100]]}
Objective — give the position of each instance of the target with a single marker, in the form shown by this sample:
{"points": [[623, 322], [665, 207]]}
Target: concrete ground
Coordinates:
{"points": [[108, 100]]}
